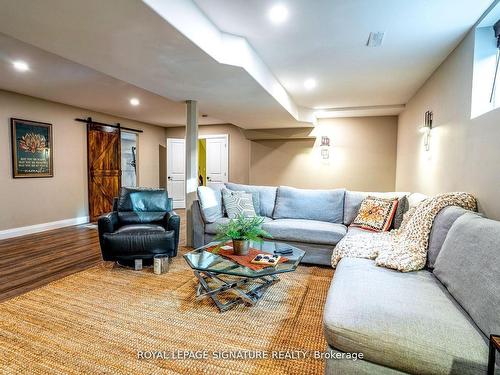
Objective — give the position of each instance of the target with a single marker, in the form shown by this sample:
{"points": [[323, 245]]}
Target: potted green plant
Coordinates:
{"points": [[241, 231]]}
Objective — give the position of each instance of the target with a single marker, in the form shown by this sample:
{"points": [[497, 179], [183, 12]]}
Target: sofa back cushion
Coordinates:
{"points": [[211, 202], [414, 199], [321, 205], [142, 205], [267, 196], [468, 265], [442, 224], [353, 201]]}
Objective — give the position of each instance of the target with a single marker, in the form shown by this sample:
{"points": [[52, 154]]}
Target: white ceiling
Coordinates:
{"points": [[491, 17], [57, 79], [127, 40], [98, 52], [325, 39]]}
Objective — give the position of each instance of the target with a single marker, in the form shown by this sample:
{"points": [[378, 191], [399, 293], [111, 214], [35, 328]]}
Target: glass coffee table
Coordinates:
{"points": [[219, 275]]}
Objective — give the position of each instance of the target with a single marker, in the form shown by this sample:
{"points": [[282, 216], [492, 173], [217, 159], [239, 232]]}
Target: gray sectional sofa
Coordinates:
{"points": [[434, 321], [312, 220]]}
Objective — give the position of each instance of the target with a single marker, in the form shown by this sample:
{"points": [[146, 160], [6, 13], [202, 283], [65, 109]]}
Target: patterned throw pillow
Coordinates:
{"points": [[256, 201], [403, 207], [376, 214], [237, 203]]}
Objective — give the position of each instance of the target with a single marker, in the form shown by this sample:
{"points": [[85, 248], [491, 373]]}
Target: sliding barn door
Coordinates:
{"points": [[103, 150]]}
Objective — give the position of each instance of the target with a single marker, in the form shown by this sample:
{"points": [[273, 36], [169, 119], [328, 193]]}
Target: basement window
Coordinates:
{"points": [[486, 72]]}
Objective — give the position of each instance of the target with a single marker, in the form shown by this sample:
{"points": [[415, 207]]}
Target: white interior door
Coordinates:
{"points": [[217, 160], [176, 167]]}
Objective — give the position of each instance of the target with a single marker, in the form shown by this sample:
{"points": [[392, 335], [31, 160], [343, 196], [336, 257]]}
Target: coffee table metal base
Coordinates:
{"points": [[248, 297]]}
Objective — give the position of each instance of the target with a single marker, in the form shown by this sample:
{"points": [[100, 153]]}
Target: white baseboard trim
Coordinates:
{"points": [[22, 231], [178, 204]]}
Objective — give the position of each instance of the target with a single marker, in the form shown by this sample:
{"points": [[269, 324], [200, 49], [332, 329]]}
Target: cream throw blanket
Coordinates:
{"points": [[404, 249]]}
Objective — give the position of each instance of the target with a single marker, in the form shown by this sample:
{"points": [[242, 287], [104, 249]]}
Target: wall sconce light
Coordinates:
{"points": [[426, 129], [325, 147]]}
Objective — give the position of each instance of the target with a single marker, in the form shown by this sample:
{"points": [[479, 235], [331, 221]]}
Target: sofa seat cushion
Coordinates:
{"points": [[212, 227], [136, 242], [356, 231], [140, 228], [309, 231], [405, 321]]}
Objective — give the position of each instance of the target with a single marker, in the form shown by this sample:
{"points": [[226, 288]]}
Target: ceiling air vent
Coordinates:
{"points": [[375, 39]]}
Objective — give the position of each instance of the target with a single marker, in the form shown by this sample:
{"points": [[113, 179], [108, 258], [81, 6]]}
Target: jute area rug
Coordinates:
{"points": [[110, 320]]}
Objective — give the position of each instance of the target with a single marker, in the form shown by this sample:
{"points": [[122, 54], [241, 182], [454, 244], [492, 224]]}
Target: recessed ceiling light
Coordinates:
{"points": [[21, 66], [310, 83], [135, 101], [278, 14]]}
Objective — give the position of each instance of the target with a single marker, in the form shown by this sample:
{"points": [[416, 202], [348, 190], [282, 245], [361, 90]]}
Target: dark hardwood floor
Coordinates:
{"points": [[29, 262]]}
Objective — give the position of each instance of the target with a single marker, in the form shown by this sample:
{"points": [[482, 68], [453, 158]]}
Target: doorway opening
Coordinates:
{"points": [[213, 164], [202, 162], [103, 156], [129, 159]]}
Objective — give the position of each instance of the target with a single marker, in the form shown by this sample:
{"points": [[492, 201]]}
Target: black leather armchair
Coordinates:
{"points": [[141, 226]]}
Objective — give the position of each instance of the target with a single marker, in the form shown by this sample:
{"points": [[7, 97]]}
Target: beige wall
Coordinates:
{"points": [[362, 157], [41, 200], [239, 148], [464, 153]]}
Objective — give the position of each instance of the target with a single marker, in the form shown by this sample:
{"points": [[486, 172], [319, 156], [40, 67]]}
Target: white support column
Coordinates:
{"points": [[191, 164]]}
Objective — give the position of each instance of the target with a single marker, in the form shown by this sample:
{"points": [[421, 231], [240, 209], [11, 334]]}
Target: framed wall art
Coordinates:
{"points": [[32, 149]]}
